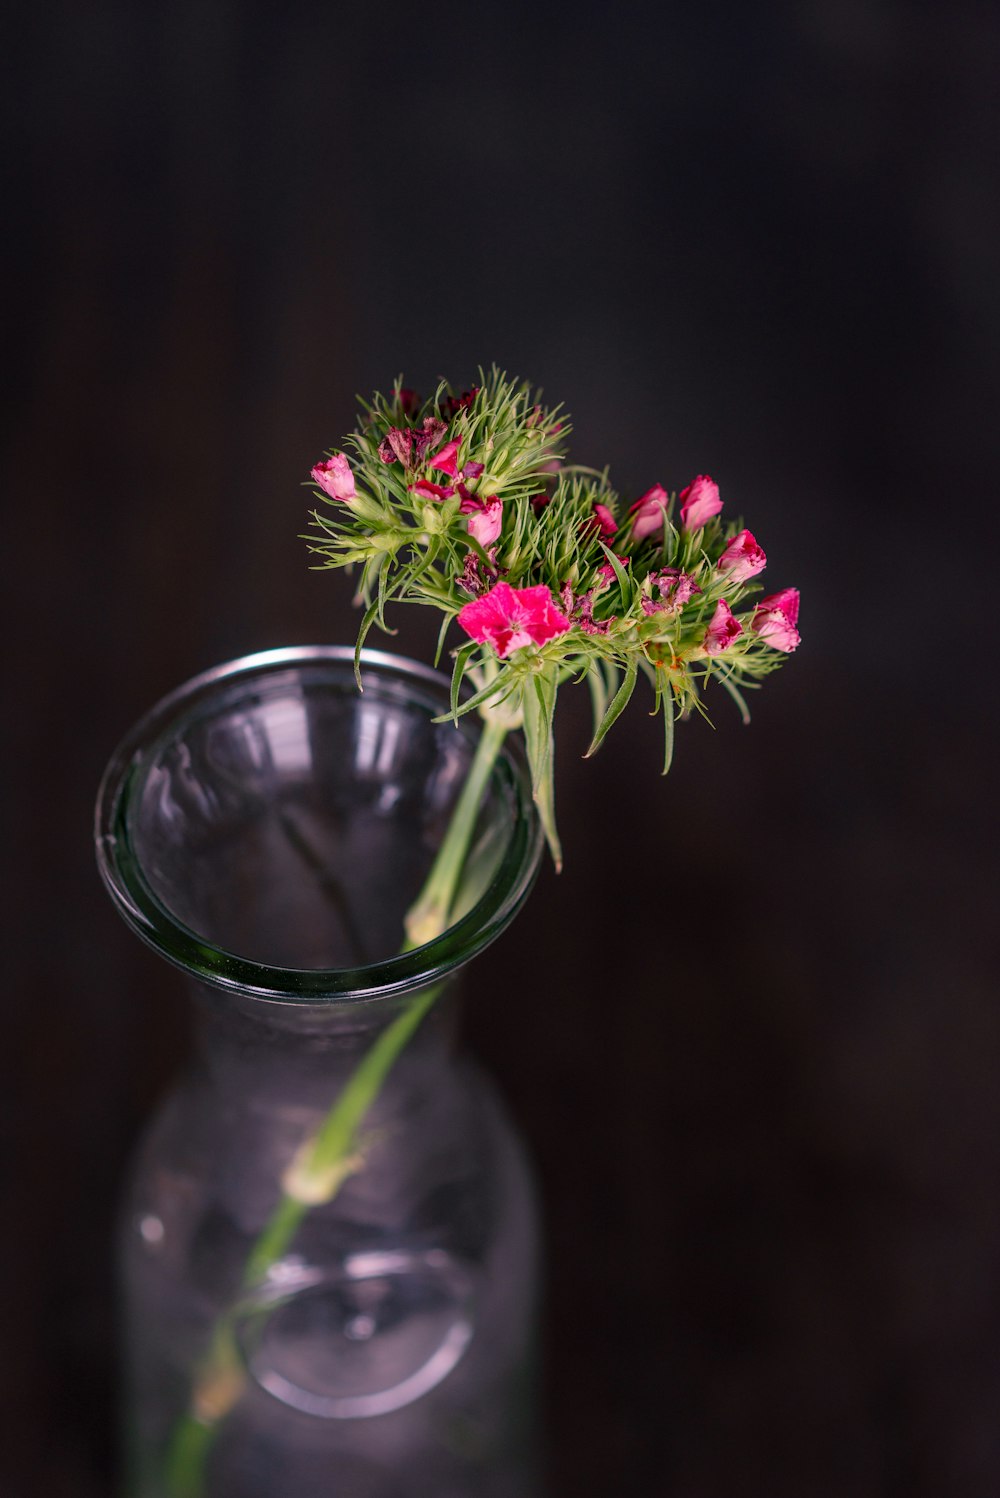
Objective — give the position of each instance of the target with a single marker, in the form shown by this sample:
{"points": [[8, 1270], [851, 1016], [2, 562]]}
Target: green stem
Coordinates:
{"points": [[428, 915], [326, 1160]]}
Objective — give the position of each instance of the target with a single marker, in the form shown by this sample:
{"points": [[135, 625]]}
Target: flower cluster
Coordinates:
{"points": [[466, 503]]}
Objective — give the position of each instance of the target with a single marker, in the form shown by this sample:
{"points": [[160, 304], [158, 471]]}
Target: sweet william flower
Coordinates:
{"points": [[647, 513], [485, 518], [426, 441], [606, 573], [775, 619], [742, 558], [675, 588], [722, 630], [335, 477], [427, 490], [396, 445], [445, 459], [606, 521], [699, 502], [510, 618]]}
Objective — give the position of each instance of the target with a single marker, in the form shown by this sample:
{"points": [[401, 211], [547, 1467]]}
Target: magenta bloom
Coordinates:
{"points": [[334, 477], [647, 513], [397, 444], [722, 630], [606, 521], [699, 502], [445, 459], [485, 519], [742, 558], [427, 490], [775, 619], [509, 618], [675, 588], [426, 441]]}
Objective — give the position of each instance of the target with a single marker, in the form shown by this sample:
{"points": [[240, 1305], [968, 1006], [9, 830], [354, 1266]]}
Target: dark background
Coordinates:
{"points": [[752, 1031]]}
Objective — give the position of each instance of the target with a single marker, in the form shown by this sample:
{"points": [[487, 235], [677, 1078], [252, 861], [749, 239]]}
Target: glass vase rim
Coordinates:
{"points": [[147, 915]]}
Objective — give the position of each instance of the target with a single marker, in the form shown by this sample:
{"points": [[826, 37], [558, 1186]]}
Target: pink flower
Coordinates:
{"points": [[606, 521], [539, 501], [722, 630], [409, 400], [606, 574], [509, 618], [699, 502], [472, 470], [675, 588], [445, 459], [428, 439], [427, 490], [334, 477], [485, 519], [647, 513], [452, 404], [742, 558], [396, 444], [775, 618]]}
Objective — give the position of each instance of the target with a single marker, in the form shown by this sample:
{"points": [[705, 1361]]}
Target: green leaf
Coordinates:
{"points": [[617, 706], [371, 614], [736, 695], [598, 676], [668, 729], [619, 571], [461, 661], [442, 632], [538, 703]]}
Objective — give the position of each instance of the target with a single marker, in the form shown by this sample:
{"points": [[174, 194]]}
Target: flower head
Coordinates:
{"points": [[648, 512], [699, 502], [509, 618], [775, 619], [335, 477], [742, 558], [722, 630], [467, 503]]}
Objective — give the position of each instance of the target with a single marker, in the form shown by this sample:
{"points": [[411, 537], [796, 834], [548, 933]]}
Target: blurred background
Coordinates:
{"points": [[751, 1032]]}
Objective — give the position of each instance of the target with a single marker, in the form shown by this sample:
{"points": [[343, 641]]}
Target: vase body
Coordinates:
{"points": [[265, 829]]}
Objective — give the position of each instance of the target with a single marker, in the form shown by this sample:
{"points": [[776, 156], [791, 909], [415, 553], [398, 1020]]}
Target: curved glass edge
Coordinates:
{"points": [[172, 939]]}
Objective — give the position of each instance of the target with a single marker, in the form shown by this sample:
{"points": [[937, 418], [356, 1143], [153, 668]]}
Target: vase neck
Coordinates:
{"points": [[258, 1055]]}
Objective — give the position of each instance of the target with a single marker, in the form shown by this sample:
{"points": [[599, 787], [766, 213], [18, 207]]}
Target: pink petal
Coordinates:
{"points": [[397, 444], [699, 502], [486, 522], [334, 477], [607, 522], [722, 630], [647, 513], [445, 459], [742, 558], [775, 619], [427, 490], [508, 618]]}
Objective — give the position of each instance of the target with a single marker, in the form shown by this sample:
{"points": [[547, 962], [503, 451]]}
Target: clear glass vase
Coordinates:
{"points": [[369, 1335]]}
